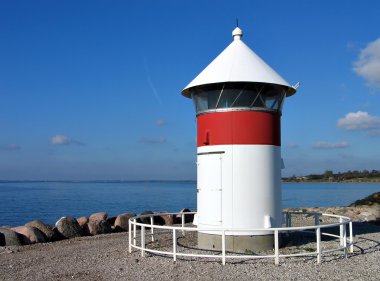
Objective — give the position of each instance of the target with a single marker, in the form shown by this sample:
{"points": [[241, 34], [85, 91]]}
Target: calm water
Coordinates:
{"points": [[21, 202]]}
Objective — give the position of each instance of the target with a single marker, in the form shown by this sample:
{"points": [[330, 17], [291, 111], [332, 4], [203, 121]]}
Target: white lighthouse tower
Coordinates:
{"points": [[238, 101]]}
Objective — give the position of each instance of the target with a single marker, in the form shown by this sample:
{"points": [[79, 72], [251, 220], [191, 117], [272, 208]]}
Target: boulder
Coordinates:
{"points": [[111, 220], [164, 219], [121, 223], [98, 216], [96, 227], [145, 220], [45, 229], [57, 235], [68, 227], [30, 235], [10, 238], [82, 221], [188, 218]]}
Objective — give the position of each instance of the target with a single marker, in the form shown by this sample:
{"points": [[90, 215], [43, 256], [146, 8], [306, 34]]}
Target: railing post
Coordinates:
{"points": [[174, 245], [224, 247], [130, 236], [351, 238], [345, 240], [341, 231], [143, 240], [290, 220], [319, 248], [134, 232], [276, 246], [151, 228]]}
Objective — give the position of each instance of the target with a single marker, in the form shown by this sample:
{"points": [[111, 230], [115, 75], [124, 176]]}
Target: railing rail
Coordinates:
{"points": [[345, 243]]}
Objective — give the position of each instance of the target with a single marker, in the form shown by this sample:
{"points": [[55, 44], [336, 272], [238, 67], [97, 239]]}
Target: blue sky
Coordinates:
{"points": [[91, 89]]}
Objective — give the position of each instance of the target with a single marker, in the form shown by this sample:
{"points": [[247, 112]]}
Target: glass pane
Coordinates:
{"points": [[280, 101], [213, 97], [258, 102], [206, 97], [272, 95], [245, 98], [270, 101], [200, 100], [228, 97]]}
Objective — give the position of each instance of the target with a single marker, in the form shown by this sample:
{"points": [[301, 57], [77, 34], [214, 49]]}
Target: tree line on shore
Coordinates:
{"points": [[329, 175]]}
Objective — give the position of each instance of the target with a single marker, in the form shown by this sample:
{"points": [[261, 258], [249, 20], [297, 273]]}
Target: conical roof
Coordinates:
{"points": [[238, 63]]}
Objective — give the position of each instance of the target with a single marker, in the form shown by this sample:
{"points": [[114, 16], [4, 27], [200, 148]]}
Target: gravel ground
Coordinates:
{"points": [[106, 257]]}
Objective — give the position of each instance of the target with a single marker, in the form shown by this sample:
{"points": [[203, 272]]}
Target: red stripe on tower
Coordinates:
{"points": [[239, 127]]}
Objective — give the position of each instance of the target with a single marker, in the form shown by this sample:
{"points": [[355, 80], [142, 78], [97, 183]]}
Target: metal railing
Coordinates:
{"points": [[345, 241]]}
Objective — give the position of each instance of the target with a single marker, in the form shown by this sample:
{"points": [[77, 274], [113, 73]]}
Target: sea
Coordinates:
{"points": [[21, 202]]}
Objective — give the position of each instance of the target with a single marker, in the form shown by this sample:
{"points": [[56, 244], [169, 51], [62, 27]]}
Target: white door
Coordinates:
{"points": [[209, 188]]}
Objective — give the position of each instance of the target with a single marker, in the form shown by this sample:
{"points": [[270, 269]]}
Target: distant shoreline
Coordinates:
{"points": [[364, 176], [358, 180]]}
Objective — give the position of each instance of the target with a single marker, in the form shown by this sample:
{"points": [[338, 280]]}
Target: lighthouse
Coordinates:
{"points": [[238, 100]]}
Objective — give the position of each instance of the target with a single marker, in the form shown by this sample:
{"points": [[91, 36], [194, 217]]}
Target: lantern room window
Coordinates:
{"points": [[238, 95]]}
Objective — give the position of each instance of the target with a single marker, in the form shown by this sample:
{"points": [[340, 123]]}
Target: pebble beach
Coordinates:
{"points": [[106, 257]]}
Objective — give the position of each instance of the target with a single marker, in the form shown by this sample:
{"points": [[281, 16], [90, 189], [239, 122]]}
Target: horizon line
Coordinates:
{"points": [[114, 180]]}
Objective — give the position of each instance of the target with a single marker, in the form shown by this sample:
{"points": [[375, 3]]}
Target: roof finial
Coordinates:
{"points": [[237, 22], [237, 33]]}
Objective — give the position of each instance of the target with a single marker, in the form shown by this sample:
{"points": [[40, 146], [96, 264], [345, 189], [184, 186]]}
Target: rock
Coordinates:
{"points": [[362, 213], [57, 235], [111, 220], [68, 227], [371, 200], [188, 218], [351, 214], [45, 229], [121, 223], [367, 216], [371, 218], [145, 220], [96, 227], [31, 235], [164, 219], [82, 221], [86, 231], [10, 238], [98, 216]]}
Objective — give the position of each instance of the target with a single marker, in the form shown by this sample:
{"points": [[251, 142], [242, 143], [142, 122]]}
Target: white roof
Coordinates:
{"points": [[238, 63]]}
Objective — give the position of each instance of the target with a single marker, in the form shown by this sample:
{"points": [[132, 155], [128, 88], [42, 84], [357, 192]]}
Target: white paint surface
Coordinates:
{"points": [[239, 187], [238, 63]]}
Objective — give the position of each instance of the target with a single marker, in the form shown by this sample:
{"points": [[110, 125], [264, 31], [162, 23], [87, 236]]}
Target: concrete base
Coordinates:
{"points": [[240, 244]]}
